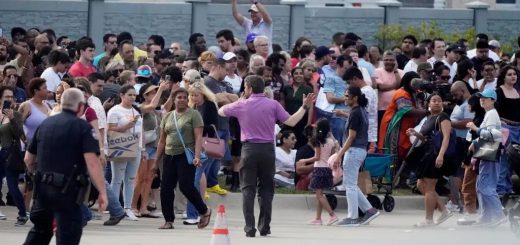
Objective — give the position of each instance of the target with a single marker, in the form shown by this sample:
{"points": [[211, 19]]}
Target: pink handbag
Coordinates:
{"points": [[214, 147]]}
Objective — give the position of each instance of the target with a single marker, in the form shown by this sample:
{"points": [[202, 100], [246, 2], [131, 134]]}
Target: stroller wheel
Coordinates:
{"points": [[374, 201], [333, 201], [388, 203]]}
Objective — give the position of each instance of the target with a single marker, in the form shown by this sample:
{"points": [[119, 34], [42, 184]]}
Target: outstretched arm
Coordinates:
{"points": [[238, 17], [263, 11]]}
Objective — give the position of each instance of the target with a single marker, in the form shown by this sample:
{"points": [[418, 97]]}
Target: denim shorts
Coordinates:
{"points": [[151, 152]]}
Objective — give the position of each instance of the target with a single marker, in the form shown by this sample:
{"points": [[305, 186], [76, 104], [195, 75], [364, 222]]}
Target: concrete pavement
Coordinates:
{"points": [[288, 227]]}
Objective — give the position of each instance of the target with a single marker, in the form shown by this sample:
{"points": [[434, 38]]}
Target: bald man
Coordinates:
{"points": [[461, 116]]}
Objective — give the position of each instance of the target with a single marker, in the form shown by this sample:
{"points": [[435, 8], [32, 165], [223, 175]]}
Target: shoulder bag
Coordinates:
{"points": [[437, 138], [487, 150], [214, 147], [151, 135], [190, 155]]}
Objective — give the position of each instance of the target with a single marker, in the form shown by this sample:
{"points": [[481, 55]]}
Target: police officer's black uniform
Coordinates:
{"points": [[61, 177]]}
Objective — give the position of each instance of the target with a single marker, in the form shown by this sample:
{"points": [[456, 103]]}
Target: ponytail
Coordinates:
{"points": [[361, 98]]}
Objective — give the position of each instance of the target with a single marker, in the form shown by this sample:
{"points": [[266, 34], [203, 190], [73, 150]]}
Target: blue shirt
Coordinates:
{"points": [[370, 68], [97, 59], [20, 95], [335, 84]]}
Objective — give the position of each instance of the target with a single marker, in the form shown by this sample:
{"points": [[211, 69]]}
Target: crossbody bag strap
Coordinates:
{"points": [[178, 131]]}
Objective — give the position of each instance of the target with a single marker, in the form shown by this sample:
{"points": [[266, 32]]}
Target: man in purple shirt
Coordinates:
{"points": [[257, 116]]}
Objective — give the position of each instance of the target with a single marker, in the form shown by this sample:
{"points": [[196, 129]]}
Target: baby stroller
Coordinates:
{"points": [[380, 167]]}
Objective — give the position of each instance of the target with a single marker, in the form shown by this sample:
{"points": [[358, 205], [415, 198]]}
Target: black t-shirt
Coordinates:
{"points": [[506, 107], [209, 113], [358, 121], [60, 142], [219, 87], [401, 60], [304, 152], [432, 123]]}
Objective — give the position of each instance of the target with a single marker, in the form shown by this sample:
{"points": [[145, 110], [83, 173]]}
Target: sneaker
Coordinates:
{"points": [[217, 189], [424, 224], [316, 222], [467, 219], [332, 219], [114, 220], [130, 215], [2, 216], [20, 221], [452, 207], [444, 216], [370, 215], [191, 222], [182, 215], [348, 223]]}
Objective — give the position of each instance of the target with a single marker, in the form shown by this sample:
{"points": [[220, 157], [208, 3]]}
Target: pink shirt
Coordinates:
{"points": [[257, 116], [326, 152], [384, 77], [79, 70]]}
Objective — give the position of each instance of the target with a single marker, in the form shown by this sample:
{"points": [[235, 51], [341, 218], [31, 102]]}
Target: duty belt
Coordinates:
{"points": [[52, 178]]}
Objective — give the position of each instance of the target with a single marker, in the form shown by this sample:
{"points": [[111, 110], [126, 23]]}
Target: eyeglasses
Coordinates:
{"points": [[445, 77]]}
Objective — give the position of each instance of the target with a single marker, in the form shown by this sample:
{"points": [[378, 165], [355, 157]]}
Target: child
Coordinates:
{"points": [[324, 146]]}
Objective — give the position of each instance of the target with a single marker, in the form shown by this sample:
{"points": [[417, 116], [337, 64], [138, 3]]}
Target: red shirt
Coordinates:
{"points": [[79, 70], [90, 115]]}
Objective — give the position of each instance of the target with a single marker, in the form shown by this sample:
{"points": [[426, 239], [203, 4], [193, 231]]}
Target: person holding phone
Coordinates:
{"points": [[11, 130], [124, 118], [387, 82]]}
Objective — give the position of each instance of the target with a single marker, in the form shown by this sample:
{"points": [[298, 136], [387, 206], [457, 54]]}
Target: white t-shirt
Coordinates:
{"points": [[366, 75], [472, 53], [262, 29], [460, 113], [122, 116], [371, 96], [410, 66], [432, 60], [285, 161], [491, 124], [235, 82], [52, 79], [491, 85]]}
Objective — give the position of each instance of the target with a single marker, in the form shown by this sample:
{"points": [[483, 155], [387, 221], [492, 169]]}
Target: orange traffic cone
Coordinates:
{"points": [[220, 229]]}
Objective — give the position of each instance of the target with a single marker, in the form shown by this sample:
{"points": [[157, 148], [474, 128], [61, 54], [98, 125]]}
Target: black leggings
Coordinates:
{"points": [[176, 168]]}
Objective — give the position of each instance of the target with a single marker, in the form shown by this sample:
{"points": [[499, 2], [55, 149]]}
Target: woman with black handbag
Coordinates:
{"points": [[11, 156], [486, 148], [430, 169]]}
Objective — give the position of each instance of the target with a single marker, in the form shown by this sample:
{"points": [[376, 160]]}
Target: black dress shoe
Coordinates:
{"points": [[114, 220], [251, 234], [265, 233]]}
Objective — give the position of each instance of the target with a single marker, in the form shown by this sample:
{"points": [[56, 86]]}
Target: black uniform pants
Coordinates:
{"points": [[50, 204], [176, 168]]}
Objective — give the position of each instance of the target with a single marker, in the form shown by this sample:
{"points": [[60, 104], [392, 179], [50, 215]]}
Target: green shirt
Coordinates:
{"points": [[186, 122]]}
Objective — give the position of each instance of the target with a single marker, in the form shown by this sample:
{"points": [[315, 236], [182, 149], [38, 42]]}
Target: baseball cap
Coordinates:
{"points": [[494, 44], [488, 93], [424, 66], [144, 71], [253, 8], [228, 56], [455, 48], [251, 37], [322, 51]]}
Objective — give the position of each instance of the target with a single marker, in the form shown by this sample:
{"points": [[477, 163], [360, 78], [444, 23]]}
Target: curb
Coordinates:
{"points": [[306, 201]]}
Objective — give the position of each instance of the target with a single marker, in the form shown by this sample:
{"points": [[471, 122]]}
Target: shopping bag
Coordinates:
{"points": [[122, 146]]}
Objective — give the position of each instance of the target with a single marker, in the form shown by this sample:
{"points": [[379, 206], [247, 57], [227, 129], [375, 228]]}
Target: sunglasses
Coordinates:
{"points": [[334, 57], [445, 77]]}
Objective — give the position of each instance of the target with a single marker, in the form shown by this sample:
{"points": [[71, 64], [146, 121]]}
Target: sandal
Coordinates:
{"points": [[204, 220], [166, 226]]}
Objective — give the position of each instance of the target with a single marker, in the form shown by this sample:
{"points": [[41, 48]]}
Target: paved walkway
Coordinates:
{"points": [[288, 228]]}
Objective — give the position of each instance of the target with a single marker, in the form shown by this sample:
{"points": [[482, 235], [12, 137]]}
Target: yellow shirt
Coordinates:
{"points": [[137, 53]]}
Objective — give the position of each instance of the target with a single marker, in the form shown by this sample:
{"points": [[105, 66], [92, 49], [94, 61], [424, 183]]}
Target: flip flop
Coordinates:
{"points": [[166, 226], [204, 220]]}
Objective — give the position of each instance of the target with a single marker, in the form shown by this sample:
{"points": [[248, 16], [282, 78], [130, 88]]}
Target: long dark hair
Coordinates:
{"points": [[285, 135], [502, 74], [462, 69], [474, 105], [356, 92], [295, 52], [406, 81], [321, 132]]}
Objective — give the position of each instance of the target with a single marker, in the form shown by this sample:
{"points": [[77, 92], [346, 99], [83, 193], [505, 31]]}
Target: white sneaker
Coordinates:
{"points": [[452, 207], [130, 215], [444, 216], [468, 219], [2, 216]]}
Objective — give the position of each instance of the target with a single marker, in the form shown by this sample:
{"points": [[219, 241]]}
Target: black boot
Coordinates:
{"points": [[235, 182]]}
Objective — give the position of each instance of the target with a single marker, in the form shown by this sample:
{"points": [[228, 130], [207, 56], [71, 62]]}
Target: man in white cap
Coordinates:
{"points": [[260, 22]]}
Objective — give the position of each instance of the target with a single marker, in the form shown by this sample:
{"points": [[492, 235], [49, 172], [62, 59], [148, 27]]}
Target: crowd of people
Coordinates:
{"points": [[303, 119]]}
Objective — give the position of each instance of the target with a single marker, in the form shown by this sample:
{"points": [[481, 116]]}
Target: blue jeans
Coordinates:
{"points": [[505, 185], [12, 183], [337, 126], [190, 209], [352, 161], [124, 172], [113, 207], [490, 206]]}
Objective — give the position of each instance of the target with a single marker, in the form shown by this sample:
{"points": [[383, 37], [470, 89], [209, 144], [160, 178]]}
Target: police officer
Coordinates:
{"points": [[65, 150]]}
